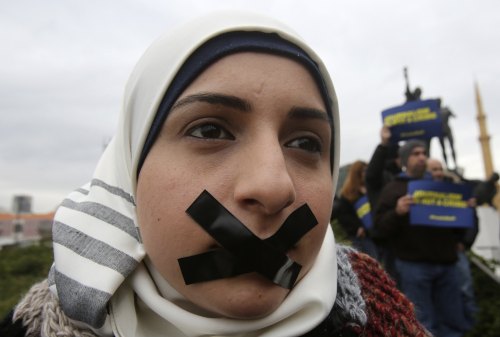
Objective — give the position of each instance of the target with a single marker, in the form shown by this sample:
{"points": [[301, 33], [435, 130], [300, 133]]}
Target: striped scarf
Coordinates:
{"points": [[96, 246]]}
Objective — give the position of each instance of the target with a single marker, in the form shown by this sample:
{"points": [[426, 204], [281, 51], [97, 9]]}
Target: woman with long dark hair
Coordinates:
{"points": [[345, 211]]}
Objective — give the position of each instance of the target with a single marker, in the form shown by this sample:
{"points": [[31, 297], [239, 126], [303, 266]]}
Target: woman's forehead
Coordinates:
{"points": [[246, 71]]}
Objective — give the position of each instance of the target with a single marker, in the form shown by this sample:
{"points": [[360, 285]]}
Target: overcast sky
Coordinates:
{"points": [[64, 64]]}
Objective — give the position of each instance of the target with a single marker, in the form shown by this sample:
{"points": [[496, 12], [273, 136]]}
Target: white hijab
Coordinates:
{"points": [[100, 275]]}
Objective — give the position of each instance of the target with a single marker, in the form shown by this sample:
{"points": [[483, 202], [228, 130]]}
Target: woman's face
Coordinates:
{"points": [[253, 131]]}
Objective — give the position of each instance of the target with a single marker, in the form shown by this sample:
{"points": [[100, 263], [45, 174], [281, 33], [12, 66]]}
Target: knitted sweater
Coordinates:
{"points": [[367, 304]]}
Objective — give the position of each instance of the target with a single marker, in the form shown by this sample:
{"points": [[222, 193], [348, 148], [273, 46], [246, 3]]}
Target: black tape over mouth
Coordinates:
{"points": [[243, 251]]}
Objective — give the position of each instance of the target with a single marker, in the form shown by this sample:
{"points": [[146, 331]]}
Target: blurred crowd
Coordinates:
{"points": [[428, 263]]}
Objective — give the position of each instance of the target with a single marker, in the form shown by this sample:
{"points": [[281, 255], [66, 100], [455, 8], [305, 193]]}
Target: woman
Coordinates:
{"points": [[208, 212], [346, 212]]}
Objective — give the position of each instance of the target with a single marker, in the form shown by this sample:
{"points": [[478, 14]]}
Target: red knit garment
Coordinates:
{"points": [[389, 312]]}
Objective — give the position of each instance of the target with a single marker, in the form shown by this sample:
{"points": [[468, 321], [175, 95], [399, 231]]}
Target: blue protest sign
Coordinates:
{"points": [[416, 119], [363, 210], [440, 204]]}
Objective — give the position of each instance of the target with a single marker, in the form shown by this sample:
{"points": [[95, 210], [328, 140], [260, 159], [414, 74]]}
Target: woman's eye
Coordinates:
{"points": [[307, 144], [209, 131]]}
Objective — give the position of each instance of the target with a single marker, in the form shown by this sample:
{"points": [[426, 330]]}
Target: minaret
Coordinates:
{"points": [[484, 138]]}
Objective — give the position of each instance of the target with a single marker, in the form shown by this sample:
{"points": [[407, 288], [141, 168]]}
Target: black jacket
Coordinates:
{"points": [[380, 171], [344, 212], [411, 242]]}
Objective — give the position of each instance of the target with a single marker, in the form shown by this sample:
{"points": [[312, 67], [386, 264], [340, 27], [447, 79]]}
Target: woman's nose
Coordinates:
{"points": [[264, 181]]}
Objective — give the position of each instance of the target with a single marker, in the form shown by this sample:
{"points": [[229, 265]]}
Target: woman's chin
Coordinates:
{"points": [[247, 296]]}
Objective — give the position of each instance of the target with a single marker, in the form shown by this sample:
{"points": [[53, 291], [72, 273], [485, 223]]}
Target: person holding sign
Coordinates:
{"points": [[383, 167], [425, 255], [353, 211]]}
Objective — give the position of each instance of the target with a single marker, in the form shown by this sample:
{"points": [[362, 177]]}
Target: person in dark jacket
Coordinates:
{"points": [[425, 255], [345, 212], [383, 167]]}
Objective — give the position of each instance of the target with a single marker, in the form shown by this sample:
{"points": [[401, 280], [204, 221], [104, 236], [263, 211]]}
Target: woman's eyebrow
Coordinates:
{"points": [[216, 99], [308, 113]]}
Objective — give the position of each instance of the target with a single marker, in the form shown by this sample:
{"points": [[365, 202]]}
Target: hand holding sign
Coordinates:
{"points": [[440, 204], [403, 205]]}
